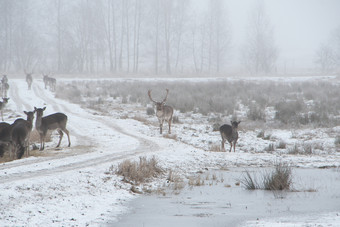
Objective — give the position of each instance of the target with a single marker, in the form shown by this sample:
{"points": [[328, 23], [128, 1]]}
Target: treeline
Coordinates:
{"points": [[114, 36]]}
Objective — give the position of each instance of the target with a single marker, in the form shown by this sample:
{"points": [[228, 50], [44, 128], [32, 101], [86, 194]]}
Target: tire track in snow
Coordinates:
{"points": [[21, 105]]}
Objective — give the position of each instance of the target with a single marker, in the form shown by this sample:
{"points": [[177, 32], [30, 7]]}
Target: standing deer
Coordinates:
{"points": [[49, 81], [21, 131], [229, 133], [29, 80], [2, 106], [56, 121], [163, 112]]}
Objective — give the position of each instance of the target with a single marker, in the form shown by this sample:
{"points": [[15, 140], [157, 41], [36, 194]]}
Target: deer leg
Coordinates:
{"points": [[2, 115], [169, 126], [161, 126], [60, 136], [234, 145], [68, 136], [231, 145], [223, 142], [42, 141]]}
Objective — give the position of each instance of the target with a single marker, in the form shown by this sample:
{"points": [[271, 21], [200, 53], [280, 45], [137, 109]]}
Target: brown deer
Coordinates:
{"points": [[163, 112], [2, 106], [21, 131], [49, 81], [229, 132], [56, 121], [5, 138], [29, 80]]}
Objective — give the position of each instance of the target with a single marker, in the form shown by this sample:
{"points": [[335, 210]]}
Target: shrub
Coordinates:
{"points": [[255, 113], [270, 148], [150, 111], [282, 145], [139, 172], [260, 134], [337, 141], [68, 92], [287, 111], [216, 127], [294, 149]]}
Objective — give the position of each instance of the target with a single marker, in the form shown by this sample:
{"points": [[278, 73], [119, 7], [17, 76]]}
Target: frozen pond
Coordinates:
{"points": [[223, 203]]}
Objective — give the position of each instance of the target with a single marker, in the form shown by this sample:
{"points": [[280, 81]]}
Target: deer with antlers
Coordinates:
{"points": [[163, 112]]}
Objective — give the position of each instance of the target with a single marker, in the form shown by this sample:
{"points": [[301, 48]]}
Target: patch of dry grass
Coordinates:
{"points": [[139, 172], [141, 119], [170, 136], [215, 148]]}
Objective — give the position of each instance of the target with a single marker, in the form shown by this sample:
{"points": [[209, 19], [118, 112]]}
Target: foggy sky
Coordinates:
{"points": [[300, 26]]}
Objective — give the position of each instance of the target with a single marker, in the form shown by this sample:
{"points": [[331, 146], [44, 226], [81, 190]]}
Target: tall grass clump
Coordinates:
{"points": [[249, 181], [278, 179], [139, 172]]}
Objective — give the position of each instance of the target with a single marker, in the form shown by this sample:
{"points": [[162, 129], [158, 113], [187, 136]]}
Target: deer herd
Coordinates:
{"points": [[15, 137]]}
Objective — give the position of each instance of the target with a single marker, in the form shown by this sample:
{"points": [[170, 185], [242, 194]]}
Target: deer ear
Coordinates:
{"points": [[44, 108], [231, 122], [35, 108], [25, 112], [238, 122]]}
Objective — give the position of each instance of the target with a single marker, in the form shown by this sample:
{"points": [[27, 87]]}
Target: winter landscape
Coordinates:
{"points": [[108, 72]]}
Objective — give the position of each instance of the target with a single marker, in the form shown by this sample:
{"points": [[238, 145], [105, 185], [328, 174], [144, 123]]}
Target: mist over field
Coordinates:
{"points": [[170, 37], [222, 112]]}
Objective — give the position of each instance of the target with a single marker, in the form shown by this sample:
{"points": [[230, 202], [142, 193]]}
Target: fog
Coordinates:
{"points": [[170, 37]]}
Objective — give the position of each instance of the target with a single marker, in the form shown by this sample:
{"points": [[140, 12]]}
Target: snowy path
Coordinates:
{"points": [[81, 124], [43, 190]]}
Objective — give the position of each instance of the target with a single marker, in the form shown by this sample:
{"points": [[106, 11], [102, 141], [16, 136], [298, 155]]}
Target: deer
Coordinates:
{"points": [[56, 121], [163, 112], [29, 80], [2, 106], [21, 131], [229, 132], [5, 138]]}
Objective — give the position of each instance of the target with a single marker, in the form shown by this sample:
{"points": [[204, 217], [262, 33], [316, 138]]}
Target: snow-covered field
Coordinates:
{"points": [[71, 186]]}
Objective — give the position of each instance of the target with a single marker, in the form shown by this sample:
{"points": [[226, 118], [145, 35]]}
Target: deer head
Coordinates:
{"points": [[159, 105], [235, 124]]}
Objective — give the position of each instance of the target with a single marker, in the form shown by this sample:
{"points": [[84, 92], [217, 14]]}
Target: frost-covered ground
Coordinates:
{"points": [[72, 187]]}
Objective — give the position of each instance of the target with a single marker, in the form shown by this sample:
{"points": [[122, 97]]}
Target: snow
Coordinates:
{"points": [[70, 186]]}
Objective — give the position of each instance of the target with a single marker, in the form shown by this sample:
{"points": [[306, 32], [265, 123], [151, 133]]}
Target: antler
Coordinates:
{"points": [[167, 92], [149, 93]]}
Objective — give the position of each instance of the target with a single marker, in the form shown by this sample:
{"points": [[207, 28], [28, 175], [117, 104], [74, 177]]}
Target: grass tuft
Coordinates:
{"points": [[139, 172]]}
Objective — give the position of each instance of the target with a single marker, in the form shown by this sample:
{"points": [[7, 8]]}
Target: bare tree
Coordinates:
{"points": [[325, 58], [259, 53]]}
